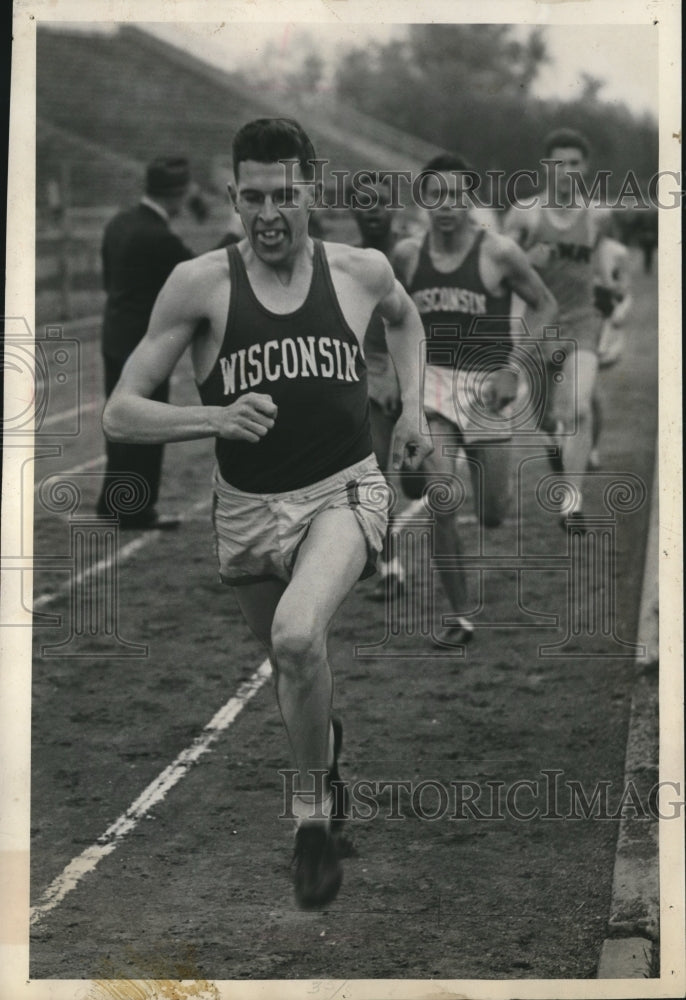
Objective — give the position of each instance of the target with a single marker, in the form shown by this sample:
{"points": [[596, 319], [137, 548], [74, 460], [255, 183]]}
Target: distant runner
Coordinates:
{"points": [[563, 244], [461, 278]]}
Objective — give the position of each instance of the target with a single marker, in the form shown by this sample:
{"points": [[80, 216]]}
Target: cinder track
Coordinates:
{"points": [[200, 886]]}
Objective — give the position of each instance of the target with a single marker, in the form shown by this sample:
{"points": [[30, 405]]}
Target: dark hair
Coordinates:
{"points": [[566, 138], [167, 176], [268, 140], [444, 163]]}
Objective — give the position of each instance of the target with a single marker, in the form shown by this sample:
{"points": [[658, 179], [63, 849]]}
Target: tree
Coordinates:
{"points": [[297, 71], [447, 60], [467, 88], [310, 73], [482, 57], [590, 87]]}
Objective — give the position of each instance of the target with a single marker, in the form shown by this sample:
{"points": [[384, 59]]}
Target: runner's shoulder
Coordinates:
{"points": [[405, 256], [522, 219], [500, 247], [605, 220], [368, 266], [197, 276], [525, 208], [407, 247]]}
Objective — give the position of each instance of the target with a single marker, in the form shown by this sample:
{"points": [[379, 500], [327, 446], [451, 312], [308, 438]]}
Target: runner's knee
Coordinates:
{"points": [[576, 415], [297, 648], [584, 411]]}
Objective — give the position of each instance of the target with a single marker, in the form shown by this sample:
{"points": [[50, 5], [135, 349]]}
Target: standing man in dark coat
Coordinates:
{"points": [[139, 252]]}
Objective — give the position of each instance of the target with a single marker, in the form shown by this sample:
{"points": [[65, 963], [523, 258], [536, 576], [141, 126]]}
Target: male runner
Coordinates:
{"points": [[561, 236], [275, 326], [461, 278], [375, 225]]}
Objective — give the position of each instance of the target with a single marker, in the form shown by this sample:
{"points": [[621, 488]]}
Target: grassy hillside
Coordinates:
{"points": [[136, 97]]}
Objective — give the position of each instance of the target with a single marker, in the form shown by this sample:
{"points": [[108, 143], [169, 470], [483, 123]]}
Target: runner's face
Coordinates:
{"points": [[274, 210], [451, 206], [572, 160], [375, 221]]}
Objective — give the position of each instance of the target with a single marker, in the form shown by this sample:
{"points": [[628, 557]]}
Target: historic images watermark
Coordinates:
{"points": [[490, 190], [548, 795], [46, 410]]}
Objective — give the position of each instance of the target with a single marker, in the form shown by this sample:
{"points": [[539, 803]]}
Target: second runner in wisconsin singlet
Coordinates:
{"points": [[466, 326], [309, 361]]}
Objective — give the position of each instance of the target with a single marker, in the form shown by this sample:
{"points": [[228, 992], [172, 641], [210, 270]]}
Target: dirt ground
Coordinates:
{"points": [[201, 887]]}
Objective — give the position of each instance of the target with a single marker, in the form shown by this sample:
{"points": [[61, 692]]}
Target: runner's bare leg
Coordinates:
{"points": [[329, 563], [446, 530], [382, 426], [574, 410], [490, 467], [258, 603]]}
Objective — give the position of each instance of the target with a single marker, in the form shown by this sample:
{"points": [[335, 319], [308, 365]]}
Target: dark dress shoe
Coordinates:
{"points": [[151, 522]]}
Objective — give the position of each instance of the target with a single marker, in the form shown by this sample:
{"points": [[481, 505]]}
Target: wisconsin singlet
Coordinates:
{"points": [[466, 326], [309, 361]]}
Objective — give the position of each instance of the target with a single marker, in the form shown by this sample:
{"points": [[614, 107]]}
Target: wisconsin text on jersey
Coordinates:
{"points": [[446, 299], [292, 357]]}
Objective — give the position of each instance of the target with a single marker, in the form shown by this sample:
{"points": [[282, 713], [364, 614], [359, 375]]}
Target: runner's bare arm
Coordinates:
{"points": [[405, 339], [515, 225], [404, 258], [130, 415], [522, 279], [521, 223], [612, 258]]}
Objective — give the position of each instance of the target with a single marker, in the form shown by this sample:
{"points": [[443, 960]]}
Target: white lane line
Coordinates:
{"points": [[122, 555], [96, 404], [151, 796], [92, 463]]}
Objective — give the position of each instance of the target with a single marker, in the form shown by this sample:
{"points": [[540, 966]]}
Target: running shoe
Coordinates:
{"points": [[593, 463], [449, 636], [318, 873]]}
